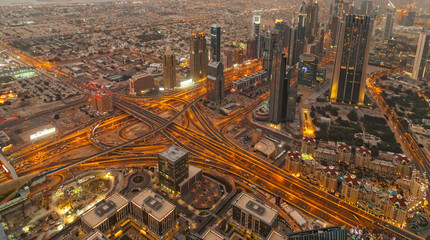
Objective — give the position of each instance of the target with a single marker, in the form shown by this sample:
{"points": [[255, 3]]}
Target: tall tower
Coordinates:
{"points": [[215, 82], [198, 56], [255, 35], [280, 89], [349, 76], [389, 21], [169, 69], [311, 22], [216, 43], [421, 68], [268, 43], [302, 22]]}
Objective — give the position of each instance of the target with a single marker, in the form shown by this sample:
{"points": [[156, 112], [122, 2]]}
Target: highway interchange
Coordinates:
{"points": [[209, 148]]}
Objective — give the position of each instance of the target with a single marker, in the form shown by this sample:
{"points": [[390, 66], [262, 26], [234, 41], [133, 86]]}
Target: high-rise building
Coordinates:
{"points": [[421, 68], [173, 167], [349, 74], [311, 23], [169, 70], [334, 29], [255, 34], [216, 43], [251, 49], [102, 102], [198, 57], [302, 22], [280, 92], [229, 58], [238, 59], [366, 7], [215, 82], [332, 233], [268, 43], [389, 21], [308, 66]]}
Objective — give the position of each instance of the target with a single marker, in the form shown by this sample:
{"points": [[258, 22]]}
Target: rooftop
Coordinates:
{"points": [[212, 235], [173, 153], [104, 209], [154, 204], [257, 208], [274, 235]]}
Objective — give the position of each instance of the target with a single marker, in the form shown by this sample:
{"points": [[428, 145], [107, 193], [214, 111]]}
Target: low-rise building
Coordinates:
{"points": [[153, 212], [293, 162], [329, 178], [308, 145], [363, 157], [350, 188], [397, 209], [106, 214], [403, 165], [254, 215], [344, 153], [141, 83]]}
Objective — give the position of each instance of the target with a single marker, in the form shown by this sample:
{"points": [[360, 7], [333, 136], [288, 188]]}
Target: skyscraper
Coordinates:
{"points": [[255, 34], [268, 43], [311, 22], [215, 82], [198, 56], [389, 21], [349, 76], [169, 69], [279, 88], [216, 43], [421, 70], [302, 22], [366, 7], [215, 79]]}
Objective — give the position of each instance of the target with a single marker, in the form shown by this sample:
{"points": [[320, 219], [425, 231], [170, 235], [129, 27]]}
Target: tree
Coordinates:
{"points": [[56, 116], [352, 116]]}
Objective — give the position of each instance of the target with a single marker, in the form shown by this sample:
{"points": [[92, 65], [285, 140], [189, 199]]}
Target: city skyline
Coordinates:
{"points": [[214, 120]]}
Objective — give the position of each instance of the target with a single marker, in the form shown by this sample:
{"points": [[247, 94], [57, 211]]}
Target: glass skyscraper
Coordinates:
{"points": [[349, 75]]}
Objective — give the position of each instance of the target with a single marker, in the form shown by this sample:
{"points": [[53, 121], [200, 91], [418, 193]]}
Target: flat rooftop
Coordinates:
{"points": [[97, 235], [173, 153], [153, 204], [274, 235], [104, 209], [212, 235], [257, 208]]}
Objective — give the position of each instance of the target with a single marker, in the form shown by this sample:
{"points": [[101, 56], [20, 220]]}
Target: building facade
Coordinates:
{"points": [[215, 82], [198, 56], [421, 69], [141, 83], [254, 215], [173, 167], [102, 102], [169, 70], [349, 76], [307, 72], [153, 212]]}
